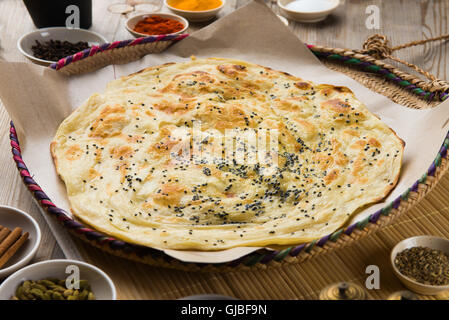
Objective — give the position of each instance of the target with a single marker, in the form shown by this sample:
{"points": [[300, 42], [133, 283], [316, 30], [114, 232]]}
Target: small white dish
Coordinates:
{"points": [[102, 286], [131, 23], [25, 42], [11, 218], [308, 16], [432, 242], [196, 16]]}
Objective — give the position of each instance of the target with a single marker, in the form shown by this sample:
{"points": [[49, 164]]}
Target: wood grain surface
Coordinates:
{"points": [[401, 20]]}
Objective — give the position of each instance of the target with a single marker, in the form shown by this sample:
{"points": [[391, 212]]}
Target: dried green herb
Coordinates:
{"points": [[424, 265]]}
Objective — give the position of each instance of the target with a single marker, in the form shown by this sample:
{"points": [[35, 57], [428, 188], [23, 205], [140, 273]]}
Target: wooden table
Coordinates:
{"points": [[401, 21]]}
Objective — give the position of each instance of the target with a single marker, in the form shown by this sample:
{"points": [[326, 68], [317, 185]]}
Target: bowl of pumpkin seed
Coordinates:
{"points": [[59, 279]]}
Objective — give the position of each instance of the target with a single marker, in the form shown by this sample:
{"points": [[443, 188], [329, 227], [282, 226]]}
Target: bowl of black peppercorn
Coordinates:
{"points": [[49, 45]]}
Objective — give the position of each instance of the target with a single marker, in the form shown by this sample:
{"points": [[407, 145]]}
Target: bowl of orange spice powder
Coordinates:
{"points": [[196, 10], [145, 25]]}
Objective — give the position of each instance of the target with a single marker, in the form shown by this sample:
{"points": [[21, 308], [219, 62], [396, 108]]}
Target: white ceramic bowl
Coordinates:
{"points": [[131, 22], [12, 218], [102, 286], [307, 16], [25, 42], [196, 16], [420, 241]]}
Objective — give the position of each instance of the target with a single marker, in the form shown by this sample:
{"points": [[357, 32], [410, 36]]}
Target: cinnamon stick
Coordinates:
{"points": [[10, 239], [4, 233], [13, 249]]}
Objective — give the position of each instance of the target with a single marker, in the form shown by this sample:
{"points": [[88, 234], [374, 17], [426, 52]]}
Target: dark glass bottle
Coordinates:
{"points": [[51, 13]]}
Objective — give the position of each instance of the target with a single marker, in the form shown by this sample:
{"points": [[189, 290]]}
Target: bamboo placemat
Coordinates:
{"points": [[293, 281]]}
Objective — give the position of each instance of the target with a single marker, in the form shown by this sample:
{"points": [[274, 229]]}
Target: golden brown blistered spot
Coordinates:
{"points": [[335, 144], [342, 89], [336, 105], [224, 118], [163, 146], [112, 109], [133, 138], [123, 171], [359, 144], [374, 143], [231, 70], [303, 85], [93, 173], [149, 113], [171, 194], [109, 123], [340, 159], [331, 176], [199, 76], [187, 85], [358, 166], [147, 205], [286, 105], [73, 153], [121, 152], [327, 91], [323, 160], [98, 154], [352, 132], [173, 108], [307, 128]]}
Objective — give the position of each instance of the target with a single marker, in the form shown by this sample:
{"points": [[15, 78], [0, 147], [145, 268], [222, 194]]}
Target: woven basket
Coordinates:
{"points": [[374, 74]]}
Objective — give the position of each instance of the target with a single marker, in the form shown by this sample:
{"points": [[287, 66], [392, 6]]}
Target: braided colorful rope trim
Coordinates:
{"points": [[369, 67], [249, 260], [261, 256], [114, 45]]}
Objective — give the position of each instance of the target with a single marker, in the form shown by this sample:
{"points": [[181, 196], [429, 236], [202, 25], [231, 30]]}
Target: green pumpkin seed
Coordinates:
{"points": [[38, 294], [52, 289], [26, 284], [67, 293], [83, 295], [46, 296], [46, 283], [38, 286]]}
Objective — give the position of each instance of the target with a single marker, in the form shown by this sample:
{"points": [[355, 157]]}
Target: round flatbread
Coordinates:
{"points": [[211, 154]]}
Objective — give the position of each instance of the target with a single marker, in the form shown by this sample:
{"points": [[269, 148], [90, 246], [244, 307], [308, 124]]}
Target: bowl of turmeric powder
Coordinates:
{"points": [[195, 10], [156, 24]]}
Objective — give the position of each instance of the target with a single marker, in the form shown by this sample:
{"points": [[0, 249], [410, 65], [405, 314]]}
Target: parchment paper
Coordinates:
{"points": [[38, 99]]}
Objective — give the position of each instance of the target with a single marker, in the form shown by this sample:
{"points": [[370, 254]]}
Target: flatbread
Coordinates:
{"points": [[214, 153]]}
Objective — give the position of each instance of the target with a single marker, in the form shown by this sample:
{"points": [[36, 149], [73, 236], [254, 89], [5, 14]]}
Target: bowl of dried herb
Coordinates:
{"points": [[49, 45], [421, 263]]}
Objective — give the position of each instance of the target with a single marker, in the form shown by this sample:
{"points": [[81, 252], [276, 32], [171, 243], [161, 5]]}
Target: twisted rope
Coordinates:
{"points": [[378, 47]]}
